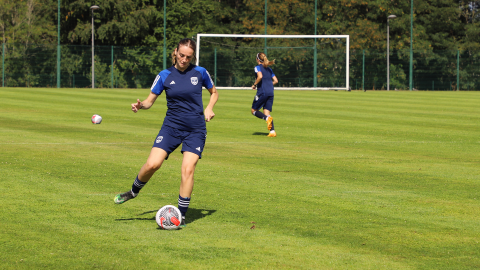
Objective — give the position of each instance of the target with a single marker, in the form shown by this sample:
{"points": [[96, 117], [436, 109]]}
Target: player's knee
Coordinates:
{"points": [[188, 171], [153, 166], [253, 111]]}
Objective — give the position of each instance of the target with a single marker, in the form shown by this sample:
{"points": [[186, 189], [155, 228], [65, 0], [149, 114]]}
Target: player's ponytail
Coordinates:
{"points": [[185, 42], [264, 60], [174, 59]]}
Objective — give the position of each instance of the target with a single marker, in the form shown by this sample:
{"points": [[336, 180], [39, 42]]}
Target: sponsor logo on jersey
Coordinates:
{"points": [[159, 139], [173, 82], [194, 80]]}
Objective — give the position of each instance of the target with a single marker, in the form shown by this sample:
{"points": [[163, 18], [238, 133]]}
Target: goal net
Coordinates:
{"points": [[310, 62]]}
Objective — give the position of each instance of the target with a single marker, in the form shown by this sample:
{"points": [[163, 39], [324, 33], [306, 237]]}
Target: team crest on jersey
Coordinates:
{"points": [[194, 80]]}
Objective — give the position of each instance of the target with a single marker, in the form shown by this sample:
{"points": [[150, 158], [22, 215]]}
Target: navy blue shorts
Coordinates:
{"points": [[169, 139], [262, 101]]}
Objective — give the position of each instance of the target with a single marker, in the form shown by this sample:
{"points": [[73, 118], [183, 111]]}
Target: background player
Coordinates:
{"points": [[264, 82], [184, 122]]}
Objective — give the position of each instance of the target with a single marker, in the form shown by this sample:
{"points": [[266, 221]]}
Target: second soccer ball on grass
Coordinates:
{"points": [[96, 119]]}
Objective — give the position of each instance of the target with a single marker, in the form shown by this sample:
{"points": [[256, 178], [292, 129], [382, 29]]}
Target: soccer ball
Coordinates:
{"points": [[168, 217], [96, 119]]}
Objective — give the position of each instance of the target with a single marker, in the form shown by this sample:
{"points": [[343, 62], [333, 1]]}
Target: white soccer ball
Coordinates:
{"points": [[169, 217], [96, 119]]}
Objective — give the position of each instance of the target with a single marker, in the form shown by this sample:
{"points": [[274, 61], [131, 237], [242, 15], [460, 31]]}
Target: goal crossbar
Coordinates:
{"points": [[347, 53]]}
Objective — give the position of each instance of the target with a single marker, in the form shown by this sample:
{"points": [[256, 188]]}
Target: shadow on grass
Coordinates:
{"points": [[260, 133], [192, 215]]}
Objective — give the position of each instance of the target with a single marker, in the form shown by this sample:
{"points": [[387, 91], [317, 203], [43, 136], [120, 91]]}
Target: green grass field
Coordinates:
{"points": [[354, 180]]}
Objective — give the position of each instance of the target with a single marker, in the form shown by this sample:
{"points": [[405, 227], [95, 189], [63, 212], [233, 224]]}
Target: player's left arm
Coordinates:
{"points": [[275, 80], [208, 83], [209, 114]]}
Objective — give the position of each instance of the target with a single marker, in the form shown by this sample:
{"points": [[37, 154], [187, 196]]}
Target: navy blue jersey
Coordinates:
{"points": [[184, 96], [265, 86]]}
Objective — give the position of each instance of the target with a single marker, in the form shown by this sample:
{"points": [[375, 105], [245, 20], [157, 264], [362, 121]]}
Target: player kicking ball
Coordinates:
{"points": [[184, 122]]}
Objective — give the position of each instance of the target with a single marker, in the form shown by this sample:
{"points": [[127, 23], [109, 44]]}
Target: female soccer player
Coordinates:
{"points": [[264, 82], [184, 122]]}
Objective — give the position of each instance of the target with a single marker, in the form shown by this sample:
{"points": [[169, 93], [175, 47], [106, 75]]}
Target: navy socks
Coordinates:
{"points": [[137, 186], [260, 115], [183, 204]]}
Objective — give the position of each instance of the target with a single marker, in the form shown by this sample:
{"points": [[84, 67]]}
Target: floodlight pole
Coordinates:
{"points": [[58, 47], [93, 8], [411, 48], [164, 34], [265, 49], [315, 50], [3, 64], [388, 49]]}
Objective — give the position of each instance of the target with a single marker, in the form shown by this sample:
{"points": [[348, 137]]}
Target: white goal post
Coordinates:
{"points": [[347, 55]]}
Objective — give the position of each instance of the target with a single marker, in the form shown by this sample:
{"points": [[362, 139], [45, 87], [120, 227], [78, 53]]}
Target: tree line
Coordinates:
{"points": [[438, 25]]}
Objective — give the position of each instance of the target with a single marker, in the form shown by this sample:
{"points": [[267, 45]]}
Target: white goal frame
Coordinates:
{"points": [[347, 53]]}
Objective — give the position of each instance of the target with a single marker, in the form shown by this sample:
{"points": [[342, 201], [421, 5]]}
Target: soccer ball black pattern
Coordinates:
{"points": [[168, 217]]}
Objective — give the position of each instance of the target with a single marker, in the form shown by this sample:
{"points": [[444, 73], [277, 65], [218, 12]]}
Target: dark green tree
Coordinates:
{"points": [[27, 21]]}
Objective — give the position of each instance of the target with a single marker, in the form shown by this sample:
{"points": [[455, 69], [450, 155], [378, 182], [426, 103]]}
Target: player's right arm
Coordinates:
{"points": [[258, 79], [156, 90], [146, 104]]}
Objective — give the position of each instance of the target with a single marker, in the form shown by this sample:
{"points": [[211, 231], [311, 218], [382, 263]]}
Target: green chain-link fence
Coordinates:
{"points": [[234, 67], [115, 66], [136, 67], [438, 70]]}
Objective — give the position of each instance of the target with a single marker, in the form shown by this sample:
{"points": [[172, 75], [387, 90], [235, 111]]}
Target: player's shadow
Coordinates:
{"points": [[260, 133], [192, 215], [140, 218], [195, 214]]}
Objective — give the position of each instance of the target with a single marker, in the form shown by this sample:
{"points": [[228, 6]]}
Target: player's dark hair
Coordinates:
{"points": [[264, 60], [185, 42]]}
